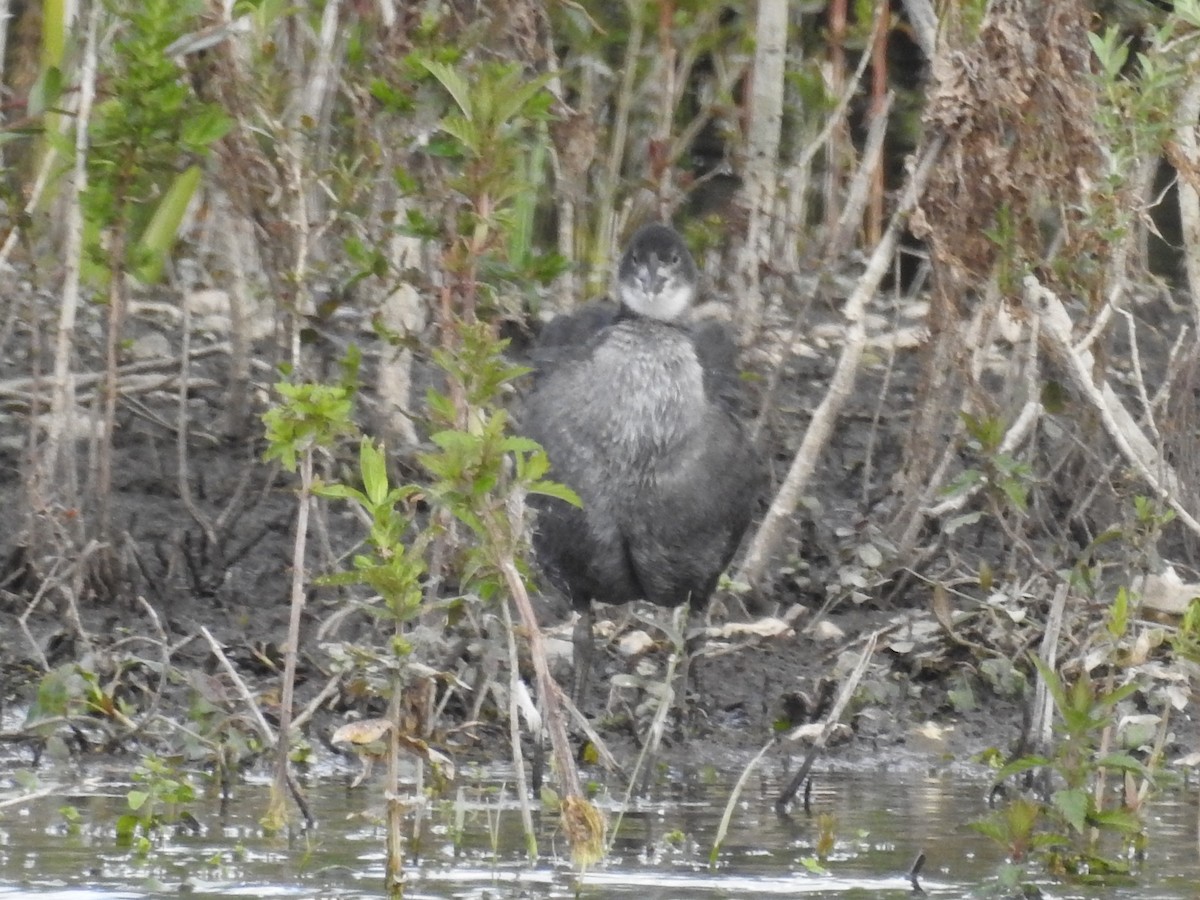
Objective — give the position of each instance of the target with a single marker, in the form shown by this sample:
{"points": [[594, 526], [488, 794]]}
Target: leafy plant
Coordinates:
{"points": [[1066, 828], [160, 798], [311, 416], [1006, 479], [149, 122]]}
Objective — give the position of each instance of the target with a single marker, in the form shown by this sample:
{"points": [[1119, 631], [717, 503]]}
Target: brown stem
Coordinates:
{"points": [[276, 814]]}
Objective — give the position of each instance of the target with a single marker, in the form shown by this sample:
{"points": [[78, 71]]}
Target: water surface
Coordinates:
{"points": [[876, 822]]}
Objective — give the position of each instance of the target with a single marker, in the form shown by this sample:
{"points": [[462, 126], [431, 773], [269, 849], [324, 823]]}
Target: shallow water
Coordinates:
{"points": [[880, 823]]}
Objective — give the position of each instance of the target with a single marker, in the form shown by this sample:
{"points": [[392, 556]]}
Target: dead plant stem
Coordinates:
{"points": [[48, 466], [778, 517], [283, 748]]}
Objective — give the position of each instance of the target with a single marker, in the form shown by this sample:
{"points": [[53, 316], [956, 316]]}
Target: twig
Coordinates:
{"points": [[276, 814], [22, 620], [914, 873], [331, 688], [48, 465], [22, 387], [181, 432], [25, 798], [841, 385], [1188, 190], [564, 761], [858, 193], [1020, 429], [1120, 425], [605, 236], [265, 730], [731, 803], [514, 729], [1041, 720], [831, 720]]}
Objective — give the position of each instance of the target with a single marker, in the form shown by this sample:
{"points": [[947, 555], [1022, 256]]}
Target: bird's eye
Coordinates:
{"points": [[674, 259], [636, 258]]}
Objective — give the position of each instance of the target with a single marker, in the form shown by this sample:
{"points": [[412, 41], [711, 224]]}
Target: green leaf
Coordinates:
{"points": [[963, 482], [1123, 762], [516, 444], [1023, 764], [137, 799], [126, 827], [1053, 682], [1017, 494], [1072, 803], [1117, 620], [205, 127], [54, 33], [554, 489], [156, 241], [454, 84], [373, 465], [338, 491], [1118, 819], [464, 132], [510, 102], [45, 91]]}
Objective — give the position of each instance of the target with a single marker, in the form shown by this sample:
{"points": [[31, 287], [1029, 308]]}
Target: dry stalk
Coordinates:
{"points": [[181, 430], [264, 729], [793, 209], [861, 185], [276, 814], [332, 686], [560, 746], [514, 732], [1189, 187], [1021, 428], [49, 463], [849, 686], [1042, 719], [24, 386], [45, 584], [606, 232], [778, 517], [762, 151], [1122, 429]]}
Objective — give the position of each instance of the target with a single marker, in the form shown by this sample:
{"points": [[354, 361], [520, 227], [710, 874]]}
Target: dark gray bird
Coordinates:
{"points": [[635, 407]]}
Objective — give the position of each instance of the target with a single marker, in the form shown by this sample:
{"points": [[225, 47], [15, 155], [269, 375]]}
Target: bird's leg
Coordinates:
{"points": [[685, 664], [582, 639], [689, 671]]}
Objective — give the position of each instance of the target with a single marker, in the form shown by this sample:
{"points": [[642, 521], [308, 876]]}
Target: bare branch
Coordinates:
{"points": [[842, 384]]}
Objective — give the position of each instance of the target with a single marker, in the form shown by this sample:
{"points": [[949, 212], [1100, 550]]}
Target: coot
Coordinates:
{"points": [[635, 406]]}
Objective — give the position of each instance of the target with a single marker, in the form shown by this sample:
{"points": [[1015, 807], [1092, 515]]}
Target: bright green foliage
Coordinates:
{"points": [[148, 124], [311, 415], [1137, 115], [1014, 827], [393, 568], [71, 690], [470, 469], [161, 798], [1186, 640], [1067, 829], [1006, 479], [1117, 621], [494, 142]]}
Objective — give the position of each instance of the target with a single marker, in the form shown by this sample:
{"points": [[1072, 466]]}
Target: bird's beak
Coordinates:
{"points": [[651, 279]]}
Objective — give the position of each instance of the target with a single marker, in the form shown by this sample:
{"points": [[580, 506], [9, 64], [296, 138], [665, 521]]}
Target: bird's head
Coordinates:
{"points": [[657, 275]]}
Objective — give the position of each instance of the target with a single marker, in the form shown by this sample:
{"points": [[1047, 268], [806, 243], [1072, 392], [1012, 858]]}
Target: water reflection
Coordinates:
{"points": [[877, 824]]}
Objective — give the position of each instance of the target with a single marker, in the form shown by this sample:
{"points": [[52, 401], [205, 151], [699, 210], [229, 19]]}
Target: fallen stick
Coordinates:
{"points": [[1122, 428]]}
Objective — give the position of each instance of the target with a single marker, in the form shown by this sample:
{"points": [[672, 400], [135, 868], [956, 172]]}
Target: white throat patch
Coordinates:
{"points": [[666, 305]]}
